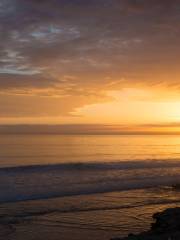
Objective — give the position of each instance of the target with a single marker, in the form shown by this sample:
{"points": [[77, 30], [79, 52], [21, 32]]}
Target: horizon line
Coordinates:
{"points": [[92, 129]]}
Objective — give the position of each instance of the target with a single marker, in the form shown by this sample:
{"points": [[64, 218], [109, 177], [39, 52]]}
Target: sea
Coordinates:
{"points": [[85, 186]]}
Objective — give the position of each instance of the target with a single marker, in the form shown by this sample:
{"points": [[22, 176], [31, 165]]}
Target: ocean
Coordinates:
{"points": [[97, 186]]}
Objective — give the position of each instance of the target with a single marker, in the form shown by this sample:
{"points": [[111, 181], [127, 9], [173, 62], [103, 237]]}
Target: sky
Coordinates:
{"points": [[113, 62]]}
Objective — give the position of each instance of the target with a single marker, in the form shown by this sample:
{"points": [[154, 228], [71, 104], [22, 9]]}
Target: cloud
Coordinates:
{"points": [[23, 81], [42, 42]]}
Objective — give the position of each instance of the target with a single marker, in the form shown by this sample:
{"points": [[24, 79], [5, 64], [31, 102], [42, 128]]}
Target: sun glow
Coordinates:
{"points": [[132, 106]]}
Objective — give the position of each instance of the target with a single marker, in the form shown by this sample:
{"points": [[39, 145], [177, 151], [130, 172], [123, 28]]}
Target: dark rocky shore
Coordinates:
{"points": [[165, 227]]}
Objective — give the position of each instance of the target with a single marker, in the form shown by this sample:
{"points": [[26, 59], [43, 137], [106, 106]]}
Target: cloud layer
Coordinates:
{"points": [[83, 48]]}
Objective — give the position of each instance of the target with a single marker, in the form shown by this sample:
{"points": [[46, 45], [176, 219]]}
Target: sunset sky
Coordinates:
{"points": [[90, 62]]}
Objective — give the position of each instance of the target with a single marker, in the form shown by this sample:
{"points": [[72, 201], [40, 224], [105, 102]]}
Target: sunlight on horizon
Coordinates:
{"points": [[132, 106]]}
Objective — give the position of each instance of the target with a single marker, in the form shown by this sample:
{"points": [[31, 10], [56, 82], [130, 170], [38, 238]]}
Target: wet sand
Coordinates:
{"points": [[91, 217], [41, 232]]}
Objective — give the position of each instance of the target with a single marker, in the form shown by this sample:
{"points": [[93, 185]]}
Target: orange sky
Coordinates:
{"points": [[90, 62]]}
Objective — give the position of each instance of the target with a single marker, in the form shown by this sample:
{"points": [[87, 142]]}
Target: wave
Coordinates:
{"points": [[49, 181], [122, 165]]}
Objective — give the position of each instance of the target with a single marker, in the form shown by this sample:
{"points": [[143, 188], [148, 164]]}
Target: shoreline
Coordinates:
{"points": [[165, 227], [82, 217]]}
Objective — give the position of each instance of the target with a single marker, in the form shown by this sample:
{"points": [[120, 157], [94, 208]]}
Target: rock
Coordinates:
{"points": [[165, 227]]}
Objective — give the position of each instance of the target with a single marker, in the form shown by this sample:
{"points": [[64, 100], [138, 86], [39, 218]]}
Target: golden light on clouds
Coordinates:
{"points": [[133, 106], [90, 62]]}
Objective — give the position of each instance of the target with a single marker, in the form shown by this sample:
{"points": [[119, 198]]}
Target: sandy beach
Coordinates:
{"points": [[81, 217]]}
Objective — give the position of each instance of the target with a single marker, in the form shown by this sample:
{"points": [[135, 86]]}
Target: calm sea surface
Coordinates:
{"points": [[17, 150], [110, 185]]}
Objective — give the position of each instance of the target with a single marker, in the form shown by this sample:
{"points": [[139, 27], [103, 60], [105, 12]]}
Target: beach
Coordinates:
{"points": [[89, 119], [98, 216]]}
